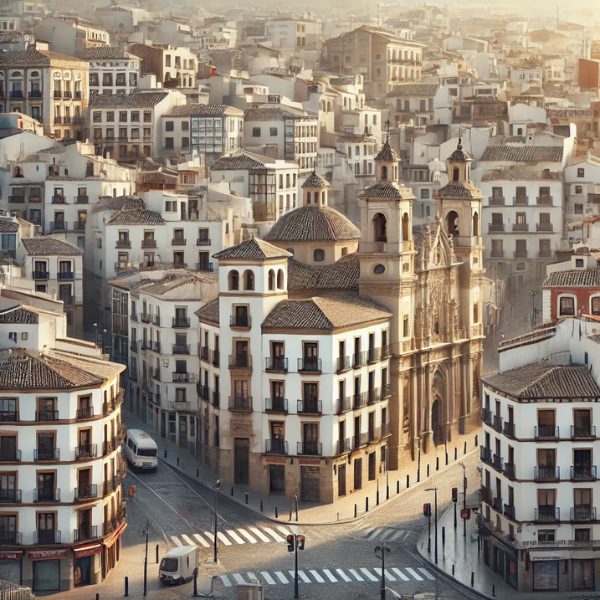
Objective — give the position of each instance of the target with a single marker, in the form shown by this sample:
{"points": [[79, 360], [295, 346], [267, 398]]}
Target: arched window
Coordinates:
{"points": [[475, 314], [280, 279], [405, 235], [319, 255], [379, 269], [234, 280], [271, 279], [384, 173], [18, 172], [452, 223], [323, 198], [249, 280], [475, 224], [455, 174], [380, 228], [307, 197]]}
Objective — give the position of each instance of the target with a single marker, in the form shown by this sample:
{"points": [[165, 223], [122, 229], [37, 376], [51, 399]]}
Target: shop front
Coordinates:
{"points": [[87, 564], [111, 552], [546, 569], [48, 567], [10, 566]]}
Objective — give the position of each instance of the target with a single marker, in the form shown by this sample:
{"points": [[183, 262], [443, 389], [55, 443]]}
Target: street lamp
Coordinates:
{"points": [[146, 558], [217, 488], [383, 549], [464, 498], [434, 489], [532, 294]]}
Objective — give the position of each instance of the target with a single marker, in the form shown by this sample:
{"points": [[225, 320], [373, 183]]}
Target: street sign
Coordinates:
{"points": [[465, 513]]}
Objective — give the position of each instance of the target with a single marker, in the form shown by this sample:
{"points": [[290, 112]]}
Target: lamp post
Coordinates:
{"points": [[383, 549], [464, 497], [146, 558], [434, 489], [532, 294], [217, 488]]}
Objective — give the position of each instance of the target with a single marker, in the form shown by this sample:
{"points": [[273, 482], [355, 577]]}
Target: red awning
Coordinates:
{"points": [[109, 541], [11, 555], [47, 554], [87, 550]]}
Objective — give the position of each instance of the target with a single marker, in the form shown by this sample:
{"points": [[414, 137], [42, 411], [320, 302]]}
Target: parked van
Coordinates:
{"points": [[141, 450], [177, 565]]}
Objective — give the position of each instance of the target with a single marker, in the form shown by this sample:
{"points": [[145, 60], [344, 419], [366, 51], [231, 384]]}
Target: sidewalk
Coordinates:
{"points": [[342, 511]]}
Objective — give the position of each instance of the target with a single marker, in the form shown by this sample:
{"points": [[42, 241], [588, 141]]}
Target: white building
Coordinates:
{"points": [[112, 70], [582, 195]]}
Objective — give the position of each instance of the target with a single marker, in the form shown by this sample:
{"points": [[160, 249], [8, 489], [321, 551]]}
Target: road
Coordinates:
{"points": [[339, 560]]}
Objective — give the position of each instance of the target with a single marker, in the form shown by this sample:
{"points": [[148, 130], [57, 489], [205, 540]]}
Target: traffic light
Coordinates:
{"points": [[427, 510], [291, 539], [300, 539], [454, 494]]}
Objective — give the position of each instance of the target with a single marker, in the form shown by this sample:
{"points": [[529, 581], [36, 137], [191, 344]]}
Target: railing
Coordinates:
{"points": [[203, 391], [486, 415], [216, 398], [374, 434], [520, 227], [205, 266], [123, 244], [243, 403], [343, 446], [310, 448], [16, 94], [44, 495], [486, 495], [204, 353], [82, 199], [498, 462], [11, 538], [509, 429], [509, 511], [344, 363], [497, 505], [359, 359], [240, 361], [181, 377], [85, 533], [275, 446], [85, 452], [59, 226], [110, 486], [181, 322], [485, 454], [10, 456], [360, 400], [544, 227], [49, 454], [520, 200], [583, 513], [387, 390], [133, 346], [497, 254], [108, 446], [359, 440], [156, 320], [65, 275], [108, 407], [181, 348], [8, 496], [545, 200], [496, 200], [495, 227], [242, 321], [148, 243], [276, 405], [178, 242], [385, 430], [180, 406], [216, 358], [35, 93], [44, 537], [203, 242], [310, 406], [9, 415], [581, 432], [309, 364], [546, 473], [40, 274], [583, 473], [344, 404], [373, 395], [509, 470], [546, 431], [497, 425], [87, 491], [373, 354], [277, 363], [155, 373], [17, 199], [520, 253]]}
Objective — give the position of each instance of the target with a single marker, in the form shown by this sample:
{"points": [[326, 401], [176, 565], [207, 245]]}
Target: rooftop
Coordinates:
{"points": [[136, 216], [573, 278], [252, 249], [133, 100], [200, 110], [49, 246], [524, 153], [340, 275]]}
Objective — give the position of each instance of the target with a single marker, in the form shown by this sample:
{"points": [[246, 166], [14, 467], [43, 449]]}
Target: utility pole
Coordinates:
{"points": [[146, 558], [217, 488], [383, 549], [436, 527], [464, 497]]}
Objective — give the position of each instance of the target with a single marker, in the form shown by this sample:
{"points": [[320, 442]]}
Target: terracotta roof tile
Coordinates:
{"points": [[8, 226], [136, 217], [118, 203], [134, 100], [573, 278], [387, 189], [252, 249], [235, 162], [208, 110], [49, 246], [104, 52], [413, 89], [387, 153], [209, 312], [271, 113], [20, 316], [523, 153], [340, 275], [314, 181]]}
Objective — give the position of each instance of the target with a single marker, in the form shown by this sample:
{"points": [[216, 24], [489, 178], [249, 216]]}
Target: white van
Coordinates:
{"points": [[177, 565], [141, 450]]}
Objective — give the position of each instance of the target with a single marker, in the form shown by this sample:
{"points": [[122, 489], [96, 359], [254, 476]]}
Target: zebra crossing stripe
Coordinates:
{"points": [[239, 579], [284, 530], [304, 577], [187, 540], [368, 574], [235, 536], [396, 535], [385, 534], [201, 540], [281, 577], [374, 534], [267, 577], [400, 574], [247, 536], [427, 573], [343, 575], [176, 540], [316, 575], [413, 573], [355, 575], [274, 535], [226, 581], [330, 575], [223, 538], [252, 577], [210, 536], [259, 534], [389, 575]]}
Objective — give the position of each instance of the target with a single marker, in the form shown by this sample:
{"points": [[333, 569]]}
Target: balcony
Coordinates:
{"points": [[581, 432], [276, 446], [205, 266], [59, 226], [277, 363], [110, 486], [497, 423], [9, 416], [387, 390], [373, 395], [16, 199], [343, 446], [148, 243], [85, 452], [374, 435], [310, 448], [216, 399], [241, 403], [495, 227], [45, 537], [276, 405], [178, 242], [374, 354], [85, 533], [509, 429], [581, 473], [240, 361], [486, 495], [78, 96], [57, 94], [584, 514], [65, 275], [498, 462], [344, 363], [546, 432], [180, 406], [35, 93], [82, 199], [8, 496], [181, 322], [146, 318], [85, 492], [520, 227], [108, 446], [240, 321], [310, 406], [155, 373], [520, 254], [344, 404], [497, 505], [496, 200], [123, 244], [46, 454], [58, 120], [544, 200], [509, 470], [509, 511], [359, 359], [203, 353], [546, 473], [360, 440], [10, 456], [203, 391], [544, 227], [46, 495], [133, 346], [16, 94], [40, 275], [486, 415], [309, 364], [485, 454], [181, 348], [360, 400], [181, 377], [216, 358], [496, 253], [203, 242]]}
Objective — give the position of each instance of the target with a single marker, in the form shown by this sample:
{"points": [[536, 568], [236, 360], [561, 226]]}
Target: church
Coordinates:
{"points": [[351, 352]]}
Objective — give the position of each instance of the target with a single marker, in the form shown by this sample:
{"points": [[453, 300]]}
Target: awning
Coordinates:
{"points": [[47, 554], [109, 541], [87, 550], [539, 555], [11, 555]]}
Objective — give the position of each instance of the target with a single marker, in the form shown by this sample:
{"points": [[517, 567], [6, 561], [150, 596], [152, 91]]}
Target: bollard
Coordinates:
{"points": [[195, 594], [455, 453], [437, 463], [338, 516], [465, 450], [427, 470], [165, 453], [261, 504], [126, 587], [443, 535], [387, 492], [355, 510], [493, 590], [446, 459], [377, 498], [97, 596], [472, 579], [246, 497], [476, 441], [197, 471], [452, 570], [398, 485], [367, 504], [276, 516], [178, 461], [290, 514], [232, 491], [407, 484], [156, 553]]}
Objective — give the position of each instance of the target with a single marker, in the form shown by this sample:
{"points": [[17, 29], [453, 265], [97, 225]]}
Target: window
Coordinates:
{"points": [[580, 172], [147, 116], [169, 126], [273, 131], [596, 305], [234, 280], [379, 270], [546, 535], [97, 116], [578, 209], [256, 132], [135, 115], [579, 189], [424, 194], [319, 255], [123, 116], [249, 280], [567, 306], [169, 143]]}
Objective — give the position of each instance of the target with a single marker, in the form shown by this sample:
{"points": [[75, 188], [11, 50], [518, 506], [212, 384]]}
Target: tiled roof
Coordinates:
{"points": [[543, 380], [573, 278], [270, 113], [30, 369], [136, 217], [235, 162], [8, 226], [175, 281], [49, 246], [19, 316], [118, 203], [387, 190], [356, 137], [314, 181], [387, 153], [456, 190], [104, 52], [37, 58], [524, 153], [200, 110], [134, 100], [340, 275], [459, 155], [312, 223], [413, 89], [520, 173], [252, 249], [329, 312], [209, 312]]}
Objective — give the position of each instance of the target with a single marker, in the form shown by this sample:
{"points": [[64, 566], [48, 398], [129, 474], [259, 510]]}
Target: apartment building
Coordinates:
{"points": [[71, 36], [539, 473], [412, 103], [63, 507], [295, 34], [112, 70], [582, 195], [50, 87], [174, 67]]}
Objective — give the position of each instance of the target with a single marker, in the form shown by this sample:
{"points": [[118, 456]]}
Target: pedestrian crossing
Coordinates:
{"points": [[327, 576], [385, 534], [230, 537]]}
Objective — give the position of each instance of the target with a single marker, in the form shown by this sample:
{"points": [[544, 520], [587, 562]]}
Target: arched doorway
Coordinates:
{"points": [[436, 422], [452, 222], [380, 228]]}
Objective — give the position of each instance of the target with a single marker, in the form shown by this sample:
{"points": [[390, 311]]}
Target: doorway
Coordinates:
{"points": [[242, 460], [357, 473], [436, 426], [372, 465], [277, 479], [310, 484], [342, 480]]}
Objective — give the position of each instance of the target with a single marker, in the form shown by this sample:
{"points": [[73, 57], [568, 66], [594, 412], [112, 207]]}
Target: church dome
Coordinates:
{"points": [[313, 224]]}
